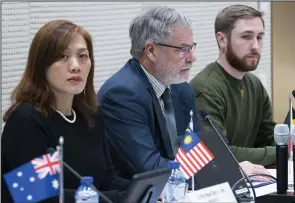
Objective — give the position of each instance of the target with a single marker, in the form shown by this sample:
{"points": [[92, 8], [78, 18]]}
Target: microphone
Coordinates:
{"points": [[281, 137], [51, 150], [207, 117], [293, 93]]}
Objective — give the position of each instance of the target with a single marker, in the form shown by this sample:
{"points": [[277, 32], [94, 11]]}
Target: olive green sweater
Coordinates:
{"points": [[240, 109]]}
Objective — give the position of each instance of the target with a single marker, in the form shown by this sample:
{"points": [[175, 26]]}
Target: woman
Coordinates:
{"points": [[56, 97]]}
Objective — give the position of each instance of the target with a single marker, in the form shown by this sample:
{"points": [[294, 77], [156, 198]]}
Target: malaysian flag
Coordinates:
{"points": [[192, 154], [36, 180]]}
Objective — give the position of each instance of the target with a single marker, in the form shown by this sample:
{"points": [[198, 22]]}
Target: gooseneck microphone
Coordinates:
{"points": [[207, 117], [51, 150], [281, 137]]}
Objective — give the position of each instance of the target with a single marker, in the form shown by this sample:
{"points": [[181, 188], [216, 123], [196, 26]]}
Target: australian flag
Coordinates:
{"points": [[36, 180], [192, 154]]}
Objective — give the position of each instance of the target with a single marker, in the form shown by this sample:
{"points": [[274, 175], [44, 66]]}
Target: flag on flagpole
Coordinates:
{"points": [[35, 180], [192, 154], [287, 119], [290, 121]]}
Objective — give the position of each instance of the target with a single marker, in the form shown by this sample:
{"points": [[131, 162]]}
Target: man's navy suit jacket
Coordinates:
{"points": [[135, 124]]}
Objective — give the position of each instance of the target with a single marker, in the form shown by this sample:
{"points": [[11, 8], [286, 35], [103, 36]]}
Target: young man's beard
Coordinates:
{"points": [[241, 64]]}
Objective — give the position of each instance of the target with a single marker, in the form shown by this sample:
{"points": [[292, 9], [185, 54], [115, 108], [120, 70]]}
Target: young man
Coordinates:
{"points": [[236, 99]]}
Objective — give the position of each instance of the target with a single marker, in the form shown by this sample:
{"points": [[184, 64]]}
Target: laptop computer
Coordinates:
{"points": [[147, 187], [222, 168]]}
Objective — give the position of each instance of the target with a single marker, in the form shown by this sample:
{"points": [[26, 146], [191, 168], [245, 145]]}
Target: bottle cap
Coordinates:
{"points": [[87, 180], [173, 164]]}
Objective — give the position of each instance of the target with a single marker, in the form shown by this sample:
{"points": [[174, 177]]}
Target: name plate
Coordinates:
{"points": [[216, 193]]}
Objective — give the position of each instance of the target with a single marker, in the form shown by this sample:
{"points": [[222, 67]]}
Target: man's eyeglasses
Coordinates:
{"points": [[184, 49]]}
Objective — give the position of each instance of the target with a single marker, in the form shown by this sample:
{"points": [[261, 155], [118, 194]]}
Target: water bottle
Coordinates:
{"points": [[85, 192], [176, 186]]}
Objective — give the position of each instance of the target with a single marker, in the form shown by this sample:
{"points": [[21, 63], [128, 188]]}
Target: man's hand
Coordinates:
{"points": [[252, 169]]}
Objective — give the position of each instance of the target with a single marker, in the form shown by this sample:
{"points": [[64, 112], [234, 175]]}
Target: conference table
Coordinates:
{"points": [[289, 197], [267, 194], [277, 198]]}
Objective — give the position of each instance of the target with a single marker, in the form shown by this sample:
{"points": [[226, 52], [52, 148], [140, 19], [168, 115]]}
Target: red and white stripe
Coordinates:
{"points": [[194, 160]]}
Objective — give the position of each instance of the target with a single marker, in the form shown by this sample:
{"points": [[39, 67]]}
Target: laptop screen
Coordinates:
{"points": [[222, 168]]}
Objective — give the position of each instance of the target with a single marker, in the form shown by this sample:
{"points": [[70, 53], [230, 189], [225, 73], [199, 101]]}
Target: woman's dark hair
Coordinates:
{"points": [[48, 44]]}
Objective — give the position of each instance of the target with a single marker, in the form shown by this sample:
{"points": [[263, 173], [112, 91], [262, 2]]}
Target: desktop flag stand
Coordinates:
{"points": [[39, 179], [35, 180], [192, 154]]}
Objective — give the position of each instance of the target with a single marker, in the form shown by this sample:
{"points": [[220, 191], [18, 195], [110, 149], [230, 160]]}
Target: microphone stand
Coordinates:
{"points": [[61, 174]]}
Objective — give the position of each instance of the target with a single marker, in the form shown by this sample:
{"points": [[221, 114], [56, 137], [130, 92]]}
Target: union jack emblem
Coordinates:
{"points": [[48, 164]]}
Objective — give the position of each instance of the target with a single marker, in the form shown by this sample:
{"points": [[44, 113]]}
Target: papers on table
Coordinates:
{"points": [[264, 188], [217, 193]]}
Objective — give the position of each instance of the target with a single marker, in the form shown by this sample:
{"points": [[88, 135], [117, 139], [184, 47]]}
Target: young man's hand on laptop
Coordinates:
{"points": [[252, 169]]}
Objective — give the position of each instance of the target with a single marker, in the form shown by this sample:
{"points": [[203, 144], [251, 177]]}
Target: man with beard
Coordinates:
{"points": [[147, 103], [235, 98]]}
